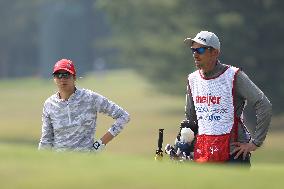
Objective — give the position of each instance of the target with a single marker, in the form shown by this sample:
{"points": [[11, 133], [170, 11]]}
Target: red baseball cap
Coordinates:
{"points": [[65, 64]]}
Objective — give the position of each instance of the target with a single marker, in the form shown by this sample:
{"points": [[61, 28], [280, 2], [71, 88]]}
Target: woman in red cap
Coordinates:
{"points": [[69, 116]]}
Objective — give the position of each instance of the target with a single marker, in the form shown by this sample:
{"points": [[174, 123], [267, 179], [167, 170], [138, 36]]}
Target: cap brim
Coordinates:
{"points": [[63, 69], [188, 41]]}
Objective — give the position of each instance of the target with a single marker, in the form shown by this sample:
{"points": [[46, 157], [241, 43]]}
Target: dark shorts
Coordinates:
{"points": [[240, 161]]}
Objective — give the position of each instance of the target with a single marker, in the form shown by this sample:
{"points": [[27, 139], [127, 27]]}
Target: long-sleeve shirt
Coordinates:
{"points": [[71, 124], [245, 90]]}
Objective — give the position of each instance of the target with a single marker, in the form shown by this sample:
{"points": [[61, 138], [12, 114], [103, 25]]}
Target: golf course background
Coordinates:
{"points": [[128, 161]]}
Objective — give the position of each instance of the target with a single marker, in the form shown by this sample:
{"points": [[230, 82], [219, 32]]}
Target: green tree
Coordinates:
{"points": [[148, 35], [18, 36]]}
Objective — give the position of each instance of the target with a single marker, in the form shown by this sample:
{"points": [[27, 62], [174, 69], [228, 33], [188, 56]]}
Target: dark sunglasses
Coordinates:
{"points": [[200, 50], [65, 75]]}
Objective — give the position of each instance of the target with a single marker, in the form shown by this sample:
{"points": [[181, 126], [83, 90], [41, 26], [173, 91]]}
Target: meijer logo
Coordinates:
{"points": [[208, 99]]}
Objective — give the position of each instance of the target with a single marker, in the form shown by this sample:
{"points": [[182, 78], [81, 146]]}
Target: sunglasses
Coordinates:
{"points": [[65, 75], [200, 50]]}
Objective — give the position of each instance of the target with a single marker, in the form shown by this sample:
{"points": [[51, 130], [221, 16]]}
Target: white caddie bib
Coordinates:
{"points": [[213, 101]]}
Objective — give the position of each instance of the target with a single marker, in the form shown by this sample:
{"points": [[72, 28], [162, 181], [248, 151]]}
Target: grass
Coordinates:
{"points": [[24, 167], [128, 159]]}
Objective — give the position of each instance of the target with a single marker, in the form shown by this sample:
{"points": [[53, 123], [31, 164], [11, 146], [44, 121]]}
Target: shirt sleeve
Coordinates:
{"points": [[109, 108], [263, 108], [47, 136]]}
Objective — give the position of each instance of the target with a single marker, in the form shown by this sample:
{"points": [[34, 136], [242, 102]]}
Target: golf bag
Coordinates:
{"points": [[184, 144]]}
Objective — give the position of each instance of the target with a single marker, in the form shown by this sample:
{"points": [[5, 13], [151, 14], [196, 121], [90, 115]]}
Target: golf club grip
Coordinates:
{"points": [[160, 140]]}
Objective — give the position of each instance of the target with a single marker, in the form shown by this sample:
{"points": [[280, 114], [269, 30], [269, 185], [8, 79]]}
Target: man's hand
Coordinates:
{"points": [[98, 146], [243, 148]]}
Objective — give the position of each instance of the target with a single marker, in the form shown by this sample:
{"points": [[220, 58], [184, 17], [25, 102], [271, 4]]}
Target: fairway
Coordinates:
{"points": [[24, 167], [128, 161]]}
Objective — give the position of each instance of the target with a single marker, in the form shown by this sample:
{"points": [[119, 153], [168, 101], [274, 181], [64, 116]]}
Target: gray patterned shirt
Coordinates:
{"points": [[71, 124]]}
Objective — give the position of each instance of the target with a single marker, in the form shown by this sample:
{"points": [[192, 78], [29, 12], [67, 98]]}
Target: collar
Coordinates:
{"points": [[70, 98], [216, 70]]}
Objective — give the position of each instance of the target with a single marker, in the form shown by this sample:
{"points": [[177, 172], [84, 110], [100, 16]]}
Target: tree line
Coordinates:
{"points": [[148, 36]]}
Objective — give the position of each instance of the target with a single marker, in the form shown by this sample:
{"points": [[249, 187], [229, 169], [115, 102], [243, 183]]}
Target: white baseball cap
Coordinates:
{"points": [[205, 38]]}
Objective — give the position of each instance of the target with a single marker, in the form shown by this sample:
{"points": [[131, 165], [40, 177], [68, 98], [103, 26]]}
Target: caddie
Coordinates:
{"points": [[216, 97]]}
